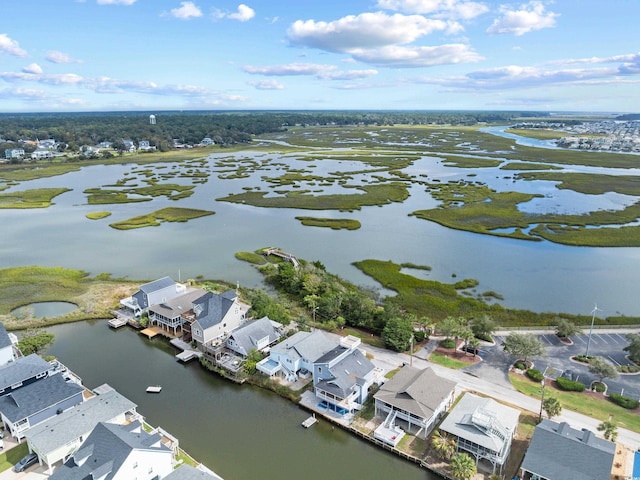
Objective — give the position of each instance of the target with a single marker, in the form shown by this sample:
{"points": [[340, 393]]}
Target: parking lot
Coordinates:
{"points": [[608, 345]]}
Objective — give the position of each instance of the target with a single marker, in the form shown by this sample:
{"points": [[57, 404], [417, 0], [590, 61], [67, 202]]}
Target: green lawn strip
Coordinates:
{"points": [[436, 300], [443, 360], [97, 215], [333, 223], [374, 195], [153, 219], [34, 198], [598, 408], [10, 457], [528, 166]]}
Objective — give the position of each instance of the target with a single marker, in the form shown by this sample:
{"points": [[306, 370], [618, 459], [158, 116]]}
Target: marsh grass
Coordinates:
{"points": [[97, 215], [333, 223], [34, 198], [153, 219]]}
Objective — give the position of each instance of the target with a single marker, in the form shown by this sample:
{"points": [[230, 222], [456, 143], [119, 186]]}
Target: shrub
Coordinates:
{"points": [[520, 365], [599, 387], [624, 402], [569, 385], [582, 358], [419, 336], [628, 368], [485, 337], [535, 375], [448, 343]]}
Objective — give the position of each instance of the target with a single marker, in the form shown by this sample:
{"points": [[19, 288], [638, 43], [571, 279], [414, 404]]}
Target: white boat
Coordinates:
{"points": [[154, 389]]}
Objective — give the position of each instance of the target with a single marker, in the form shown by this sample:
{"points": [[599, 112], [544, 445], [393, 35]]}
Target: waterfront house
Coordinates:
{"points": [[13, 153], [482, 427], [32, 404], [145, 145], [58, 437], [129, 146], [153, 293], [216, 315], [168, 315], [296, 355], [559, 452], [342, 377], [113, 452], [259, 334], [23, 371], [414, 399], [187, 472], [7, 350]]}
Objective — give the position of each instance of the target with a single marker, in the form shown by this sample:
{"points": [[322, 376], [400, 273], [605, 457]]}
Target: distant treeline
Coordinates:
{"points": [[73, 130]]}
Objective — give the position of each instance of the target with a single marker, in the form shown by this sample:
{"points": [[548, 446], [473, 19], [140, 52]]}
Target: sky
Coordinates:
{"points": [[153, 55]]}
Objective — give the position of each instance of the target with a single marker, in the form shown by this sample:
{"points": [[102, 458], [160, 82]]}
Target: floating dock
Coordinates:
{"points": [[310, 421], [117, 322], [154, 389]]}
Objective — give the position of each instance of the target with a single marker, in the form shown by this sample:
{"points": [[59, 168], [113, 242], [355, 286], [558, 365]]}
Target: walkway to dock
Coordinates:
{"points": [[276, 252], [187, 353]]}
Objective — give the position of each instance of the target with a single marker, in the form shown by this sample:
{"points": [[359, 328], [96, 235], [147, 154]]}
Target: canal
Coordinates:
{"points": [[241, 432]]}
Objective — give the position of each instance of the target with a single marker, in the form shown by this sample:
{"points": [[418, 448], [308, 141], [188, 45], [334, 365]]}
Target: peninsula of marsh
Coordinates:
{"points": [[468, 203]]}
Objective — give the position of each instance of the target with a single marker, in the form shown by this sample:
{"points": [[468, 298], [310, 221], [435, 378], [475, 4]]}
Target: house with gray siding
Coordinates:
{"points": [[559, 452], [168, 315], [7, 350], [23, 371], [113, 452], [34, 403], [153, 293], [342, 377], [482, 427], [258, 334], [415, 399], [60, 436], [216, 315]]}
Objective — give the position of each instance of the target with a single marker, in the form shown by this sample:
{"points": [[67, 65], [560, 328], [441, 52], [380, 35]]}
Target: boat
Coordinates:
{"points": [[154, 389]]}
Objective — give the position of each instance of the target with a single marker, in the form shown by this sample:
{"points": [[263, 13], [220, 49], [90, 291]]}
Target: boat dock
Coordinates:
{"points": [[154, 389], [117, 322], [187, 353], [310, 421]]}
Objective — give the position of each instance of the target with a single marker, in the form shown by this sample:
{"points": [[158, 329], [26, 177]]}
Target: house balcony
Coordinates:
{"points": [[342, 405]]}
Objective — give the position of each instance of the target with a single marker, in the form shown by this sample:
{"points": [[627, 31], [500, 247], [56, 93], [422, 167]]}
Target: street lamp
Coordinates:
{"points": [[593, 317], [541, 401]]}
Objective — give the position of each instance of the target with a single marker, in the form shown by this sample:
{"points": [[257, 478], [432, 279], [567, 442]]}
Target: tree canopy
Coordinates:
{"points": [[602, 368], [523, 346], [634, 347], [35, 340]]}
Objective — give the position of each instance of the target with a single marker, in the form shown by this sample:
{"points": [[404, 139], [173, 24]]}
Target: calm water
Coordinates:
{"points": [[44, 309], [540, 276], [241, 432]]}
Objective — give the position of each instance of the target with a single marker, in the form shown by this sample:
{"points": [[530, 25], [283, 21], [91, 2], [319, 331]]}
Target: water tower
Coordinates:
{"points": [[152, 119]]}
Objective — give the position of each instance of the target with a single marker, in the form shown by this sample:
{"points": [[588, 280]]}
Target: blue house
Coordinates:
{"points": [[22, 372], [153, 293]]}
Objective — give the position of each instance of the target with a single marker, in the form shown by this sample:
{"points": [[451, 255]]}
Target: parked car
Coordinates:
{"points": [[26, 462], [470, 349]]}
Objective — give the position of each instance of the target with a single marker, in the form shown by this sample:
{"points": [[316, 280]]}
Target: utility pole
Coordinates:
{"points": [[543, 383], [593, 318]]}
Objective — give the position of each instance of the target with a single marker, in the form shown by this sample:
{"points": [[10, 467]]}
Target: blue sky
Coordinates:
{"points": [[93, 55]]}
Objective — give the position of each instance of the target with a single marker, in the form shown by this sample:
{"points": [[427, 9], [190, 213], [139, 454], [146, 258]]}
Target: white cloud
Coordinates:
{"points": [[401, 56], [268, 84], [186, 11], [367, 30], [55, 56], [530, 16], [115, 2], [243, 14], [348, 75], [440, 8], [323, 72], [33, 68], [11, 46]]}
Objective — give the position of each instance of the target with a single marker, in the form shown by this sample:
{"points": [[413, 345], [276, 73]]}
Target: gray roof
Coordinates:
{"points": [[559, 452], [178, 305], [157, 285], [346, 374], [247, 336], [5, 341], [77, 421], [37, 396], [24, 368], [307, 345], [213, 307], [187, 472], [105, 451], [416, 391], [472, 414]]}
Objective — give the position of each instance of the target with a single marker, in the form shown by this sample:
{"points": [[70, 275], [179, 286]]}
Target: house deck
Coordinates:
{"points": [[117, 322]]}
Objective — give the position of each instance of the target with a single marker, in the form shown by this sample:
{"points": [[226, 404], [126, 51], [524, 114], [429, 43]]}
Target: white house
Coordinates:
{"points": [[258, 334], [116, 452], [216, 315], [11, 153], [7, 351], [153, 293], [296, 354]]}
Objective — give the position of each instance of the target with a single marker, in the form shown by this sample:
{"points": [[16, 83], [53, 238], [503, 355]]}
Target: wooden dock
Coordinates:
{"points": [[310, 421], [151, 332], [117, 322], [154, 389], [187, 353]]}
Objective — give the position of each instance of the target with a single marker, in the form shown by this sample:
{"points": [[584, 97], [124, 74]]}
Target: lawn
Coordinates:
{"points": [[443, 360], [599, 408], [9, 458]]}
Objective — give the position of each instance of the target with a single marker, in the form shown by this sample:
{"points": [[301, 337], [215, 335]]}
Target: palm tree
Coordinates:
{"points": [[444, 445], [609, 429], [463, 466]]}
